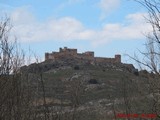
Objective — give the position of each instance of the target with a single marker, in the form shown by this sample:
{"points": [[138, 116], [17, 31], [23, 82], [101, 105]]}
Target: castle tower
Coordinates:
{"points": [[65, 48], [60, 50], [46, 56], [118, 58]]}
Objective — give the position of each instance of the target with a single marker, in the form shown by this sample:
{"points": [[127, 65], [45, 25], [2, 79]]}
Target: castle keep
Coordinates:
{"points": [[72, 53]]}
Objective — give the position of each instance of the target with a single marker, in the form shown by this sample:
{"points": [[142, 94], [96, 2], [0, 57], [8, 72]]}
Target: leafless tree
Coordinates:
{"points": [[151, 57], [15, 100], [11, 56]]}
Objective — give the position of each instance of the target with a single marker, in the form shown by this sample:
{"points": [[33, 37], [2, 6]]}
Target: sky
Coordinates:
{"points": [[107, 27]]}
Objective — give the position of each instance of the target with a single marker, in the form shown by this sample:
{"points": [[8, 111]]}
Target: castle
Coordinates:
{"points": [[72, 53]]}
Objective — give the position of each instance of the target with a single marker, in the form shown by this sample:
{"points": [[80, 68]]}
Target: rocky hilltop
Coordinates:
{"points": [[69, 62], [70, 58]]}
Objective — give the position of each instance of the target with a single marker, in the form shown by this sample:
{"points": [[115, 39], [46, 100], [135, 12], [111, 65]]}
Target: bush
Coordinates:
{"points": [[135, 72], [92, 81], [76, 67]]}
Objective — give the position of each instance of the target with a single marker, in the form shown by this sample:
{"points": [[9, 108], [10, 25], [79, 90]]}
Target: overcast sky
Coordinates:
{"points": [[107, 27]]}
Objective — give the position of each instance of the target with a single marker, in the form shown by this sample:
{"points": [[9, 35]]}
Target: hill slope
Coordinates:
{"points": [[75, 89]]}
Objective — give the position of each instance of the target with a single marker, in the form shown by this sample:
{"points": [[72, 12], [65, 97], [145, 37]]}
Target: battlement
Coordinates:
{"points": [[67, 50], [72, 53]]}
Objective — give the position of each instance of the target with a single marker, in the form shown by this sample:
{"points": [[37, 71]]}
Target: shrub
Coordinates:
{"points": [[92, 81], [76, 67], [135, 72]]}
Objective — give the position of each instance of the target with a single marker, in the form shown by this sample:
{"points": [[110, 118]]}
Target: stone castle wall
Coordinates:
{"points": [[72, 53]]}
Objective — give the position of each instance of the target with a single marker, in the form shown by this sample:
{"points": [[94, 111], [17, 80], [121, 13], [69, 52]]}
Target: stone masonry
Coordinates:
{"points": [[72, 53]]}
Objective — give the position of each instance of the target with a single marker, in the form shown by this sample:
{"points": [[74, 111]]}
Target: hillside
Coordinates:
{"points": [[79, 90]]}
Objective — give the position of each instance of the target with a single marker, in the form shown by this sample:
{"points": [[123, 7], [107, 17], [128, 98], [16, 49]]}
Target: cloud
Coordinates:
{"points": [[107, 6], [22, 15], [133, 28], [28, 29]]}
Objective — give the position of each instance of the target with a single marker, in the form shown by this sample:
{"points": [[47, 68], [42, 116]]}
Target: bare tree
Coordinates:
{"points": [[151, 57], [14, 102], [11, 56]]}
